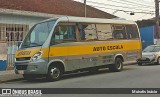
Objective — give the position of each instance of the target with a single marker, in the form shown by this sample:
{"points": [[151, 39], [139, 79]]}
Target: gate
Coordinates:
{"points": [[146, 43], [11, 34]]}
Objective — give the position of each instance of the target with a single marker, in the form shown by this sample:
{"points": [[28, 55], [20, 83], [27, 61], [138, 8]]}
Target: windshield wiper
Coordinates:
{"points": [[35, 44], [31, 45], [25, 46]]}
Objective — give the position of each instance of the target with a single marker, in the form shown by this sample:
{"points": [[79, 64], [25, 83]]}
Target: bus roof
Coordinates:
{"points": [[91, 20]]}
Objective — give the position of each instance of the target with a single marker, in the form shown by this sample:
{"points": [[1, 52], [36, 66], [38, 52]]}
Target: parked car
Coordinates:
{"points": [[150, 55]]}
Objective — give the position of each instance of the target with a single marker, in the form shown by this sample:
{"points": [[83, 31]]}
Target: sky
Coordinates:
{"points": [[142, 9]]}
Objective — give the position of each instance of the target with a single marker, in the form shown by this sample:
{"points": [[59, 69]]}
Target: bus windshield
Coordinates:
{"points": [[38, 34]]}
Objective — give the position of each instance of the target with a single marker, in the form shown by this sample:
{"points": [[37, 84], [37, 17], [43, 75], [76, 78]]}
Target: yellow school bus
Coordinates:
{"points": [[68, 44]]}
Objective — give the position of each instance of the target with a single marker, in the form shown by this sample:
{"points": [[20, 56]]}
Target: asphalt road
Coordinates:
{"points": [[132, 76]]}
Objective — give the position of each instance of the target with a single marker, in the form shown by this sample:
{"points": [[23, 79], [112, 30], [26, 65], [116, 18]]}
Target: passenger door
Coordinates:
{"points": [[63, 38]]}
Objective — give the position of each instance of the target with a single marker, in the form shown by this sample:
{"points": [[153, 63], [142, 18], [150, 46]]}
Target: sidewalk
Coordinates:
{"points": [[8, 75]]}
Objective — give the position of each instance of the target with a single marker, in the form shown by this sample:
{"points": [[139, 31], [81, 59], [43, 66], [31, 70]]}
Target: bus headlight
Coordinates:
{"points": [[36, 56]]}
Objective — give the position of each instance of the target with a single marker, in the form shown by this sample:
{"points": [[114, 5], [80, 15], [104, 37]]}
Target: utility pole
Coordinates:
{"points": [[85, 8], [157, 32]]}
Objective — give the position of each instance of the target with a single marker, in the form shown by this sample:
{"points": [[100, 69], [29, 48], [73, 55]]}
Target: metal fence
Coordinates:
{"points": [[10, 35]]}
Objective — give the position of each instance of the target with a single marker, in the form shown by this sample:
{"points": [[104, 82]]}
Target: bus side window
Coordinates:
{"points": [[119, 32], [87, 31], [118, 35], [63, 33], [132, 31], [71, 32], [59, 33], [81, 31], [104, 31]]}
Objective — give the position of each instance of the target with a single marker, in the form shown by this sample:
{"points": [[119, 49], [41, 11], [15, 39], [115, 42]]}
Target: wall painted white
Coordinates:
{"points": [[18, 19]]}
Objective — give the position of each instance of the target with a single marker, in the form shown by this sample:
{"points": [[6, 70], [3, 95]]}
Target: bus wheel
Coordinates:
{"points": [[118, 66], [54, 73], [29, 77]]}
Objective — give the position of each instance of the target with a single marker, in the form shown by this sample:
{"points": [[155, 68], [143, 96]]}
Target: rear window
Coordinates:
{"points": [[132, 31]]}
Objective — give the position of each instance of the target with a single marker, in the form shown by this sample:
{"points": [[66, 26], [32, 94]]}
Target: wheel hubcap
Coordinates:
{"points": [[55, 72]]}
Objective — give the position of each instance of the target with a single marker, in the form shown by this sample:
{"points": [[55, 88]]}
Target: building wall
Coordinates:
{"points": [[18, 19], [9, 29]]}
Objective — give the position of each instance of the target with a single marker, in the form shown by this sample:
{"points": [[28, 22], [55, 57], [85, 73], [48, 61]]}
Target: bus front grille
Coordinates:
{"points": [[21, 67], [23, 59]]}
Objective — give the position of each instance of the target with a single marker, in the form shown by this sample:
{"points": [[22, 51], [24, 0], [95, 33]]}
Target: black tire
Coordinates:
{"points": [[139, 64], [118, 66], [158, 60], [54, 73], [29, 77]]}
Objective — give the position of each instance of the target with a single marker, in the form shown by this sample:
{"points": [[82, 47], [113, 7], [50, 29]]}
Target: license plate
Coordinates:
{"points": [[21, 71]]}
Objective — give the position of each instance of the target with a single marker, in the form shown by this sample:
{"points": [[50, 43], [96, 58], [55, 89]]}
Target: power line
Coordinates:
{"points": [[144, 12], [146, 2], [122, 8], [129, 2], [132, 4], [141, 17], [115, 5]]}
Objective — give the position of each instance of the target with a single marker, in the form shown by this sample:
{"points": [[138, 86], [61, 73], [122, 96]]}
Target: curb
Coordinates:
{"points": [[9, 75], [10, 68]]}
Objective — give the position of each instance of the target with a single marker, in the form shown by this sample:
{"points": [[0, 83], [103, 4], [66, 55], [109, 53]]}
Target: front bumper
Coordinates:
{"points": [[27, 67], [146, 60]]}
